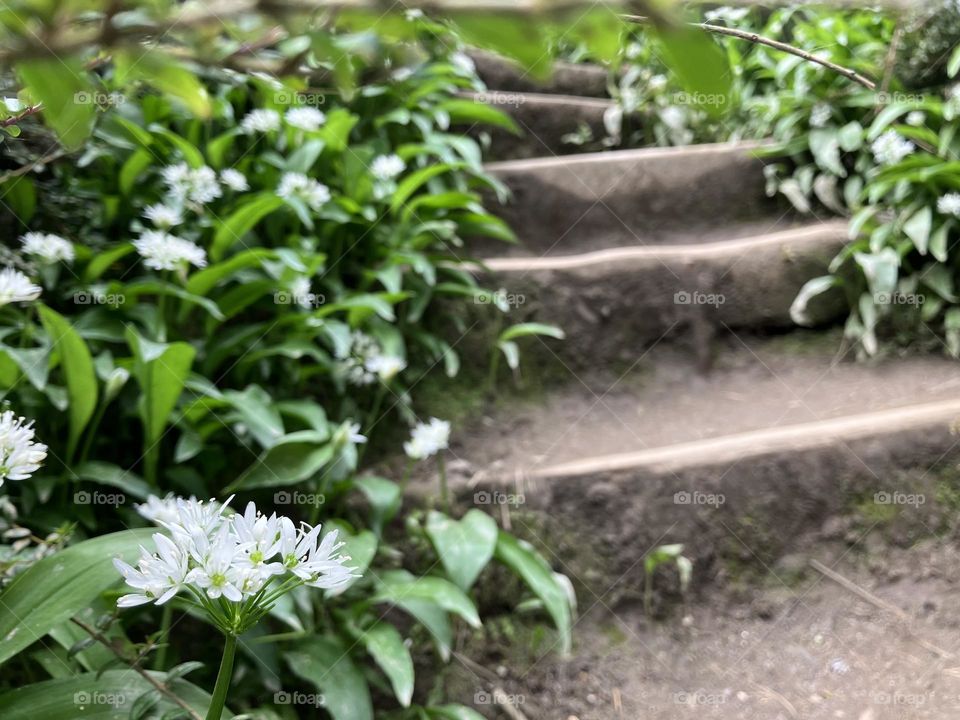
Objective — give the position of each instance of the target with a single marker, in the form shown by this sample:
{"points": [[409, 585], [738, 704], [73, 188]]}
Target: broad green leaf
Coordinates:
{"points": [[161, 370], [325, 662], [102, 261], [81, 380], [413, 182], [295, 458], [384, 497], [464, 112], [454, 712], [825, 146], [92, 696], [810, 289], [203, 281], [167, 74], [539, 578], [386, 646], [241, 221], [63, 86], [465, 546], [433, 589], [700, 66], [61, 585], [918, 227], [523, 37], [259, 415], [106, 473]]}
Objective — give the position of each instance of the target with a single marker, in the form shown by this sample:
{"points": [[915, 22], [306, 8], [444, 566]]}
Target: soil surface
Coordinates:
{"points": [[796, 645]]}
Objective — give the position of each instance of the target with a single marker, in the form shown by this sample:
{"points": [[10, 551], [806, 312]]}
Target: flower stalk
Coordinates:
{"points": [[224, 676]]}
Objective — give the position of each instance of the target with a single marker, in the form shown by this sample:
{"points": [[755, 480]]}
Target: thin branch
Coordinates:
{"points": [[30, 167], [775, 44], [14, 119], [135, 666]]}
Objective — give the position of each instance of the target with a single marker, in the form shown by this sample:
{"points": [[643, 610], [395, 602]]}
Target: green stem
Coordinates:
{"points": [[406, 476], [222, 688], [92, 432], [444, 491], [160, 662]]}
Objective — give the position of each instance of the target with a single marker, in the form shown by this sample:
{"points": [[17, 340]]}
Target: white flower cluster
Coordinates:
{"points": [[387, 167], [365, 361], [890, 148], [262, 121], [17, 287], [211, 554], [305, 118], [297, 185], [49, 248], [428, 439], [949, 204], [196, 185], [20, 456], [162, 251], [266, 120], [820, 115]]}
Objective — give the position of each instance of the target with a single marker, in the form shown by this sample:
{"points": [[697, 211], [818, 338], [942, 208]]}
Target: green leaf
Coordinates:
{"points": [[161, 370], [433, 589], [63, 87], [471, 112], [256, 411], [825, 146], [526, 329], [523, 38], [108, 696], [539, 578], [102, 261], [81, 380], [113, 475], [61, 585], [296, 457], [165, 73], [466, 546], [918, 227], [700, 66], [810, 289], [454, 712], [241, 221], [385, 645], [326, 663], [384, 497], [938, 242], [415, 181]]}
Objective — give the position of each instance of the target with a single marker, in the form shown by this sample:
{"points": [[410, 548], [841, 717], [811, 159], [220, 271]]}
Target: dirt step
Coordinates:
{"points": [[618, 196], [500, 73], [778, 437], [545, 122], [614, 302]]}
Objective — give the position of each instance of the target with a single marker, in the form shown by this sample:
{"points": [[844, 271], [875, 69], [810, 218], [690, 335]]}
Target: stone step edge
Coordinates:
{"points": [[497, 98], [754, 443], [634, 154], [814, 234]]}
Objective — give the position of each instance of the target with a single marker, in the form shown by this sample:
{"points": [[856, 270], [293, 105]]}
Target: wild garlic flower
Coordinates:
{"points": [[308, 190], [304, 118], [198, 185], [463, 63], [949, 204], [213, 557], [890, 148], [348, 432], [352, 364], [49, 248], [428, 439], [234, 179], [262, 121], [163, 216], [20, 456], [17, 287], [916, 118], [387, 167], [386, 367], [162, 251]]}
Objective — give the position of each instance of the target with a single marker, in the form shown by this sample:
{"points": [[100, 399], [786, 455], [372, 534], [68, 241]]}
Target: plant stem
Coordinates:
{"points": [[648, 595], [222, 688], [406, 476], [444, 491], [166, 619]]}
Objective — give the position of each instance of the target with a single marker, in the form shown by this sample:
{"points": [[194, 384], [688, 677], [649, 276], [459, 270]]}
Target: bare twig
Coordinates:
{"points": [[14, 119], [775, 44], [30, 167], [865, 594], [135, 666], [891, 59]]}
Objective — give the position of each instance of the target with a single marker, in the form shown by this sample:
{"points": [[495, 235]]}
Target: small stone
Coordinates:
{"points": [[687, 621], [591, 698]]}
